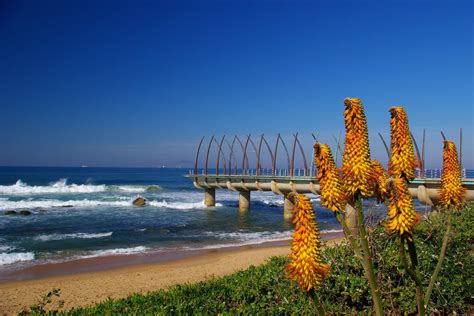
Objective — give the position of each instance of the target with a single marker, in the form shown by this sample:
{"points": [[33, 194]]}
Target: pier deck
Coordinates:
{"points": [[426, 190]]}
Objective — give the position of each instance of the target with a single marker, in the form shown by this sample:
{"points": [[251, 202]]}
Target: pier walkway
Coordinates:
{"points": [[426, 190]]}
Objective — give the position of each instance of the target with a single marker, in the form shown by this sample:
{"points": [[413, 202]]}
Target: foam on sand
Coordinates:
{"points": [[9, 258], [116, 251]]}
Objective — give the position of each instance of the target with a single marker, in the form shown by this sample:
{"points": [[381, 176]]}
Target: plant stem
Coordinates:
{"points": [[440, 260], [317, 303], [412, 271], [350, 237], [414, 267], [367, 258], [403, 257]]}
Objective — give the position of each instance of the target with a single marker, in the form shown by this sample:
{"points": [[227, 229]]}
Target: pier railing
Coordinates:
{"points": [[300, 172]]}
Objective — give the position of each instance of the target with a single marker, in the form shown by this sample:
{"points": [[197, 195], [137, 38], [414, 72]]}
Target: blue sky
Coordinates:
{"points": [[137, 83]]}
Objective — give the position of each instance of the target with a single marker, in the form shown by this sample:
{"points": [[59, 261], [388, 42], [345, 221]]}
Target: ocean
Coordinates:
{"points": [[88, 212]]}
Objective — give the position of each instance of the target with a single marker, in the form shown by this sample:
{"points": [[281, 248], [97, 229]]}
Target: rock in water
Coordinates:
{"points": [[25, 212], [9, 212], [153, 188], [139, 201]]}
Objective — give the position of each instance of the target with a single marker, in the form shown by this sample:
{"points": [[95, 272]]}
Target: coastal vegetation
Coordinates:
{"points": [[393, 266], [266, 289]]}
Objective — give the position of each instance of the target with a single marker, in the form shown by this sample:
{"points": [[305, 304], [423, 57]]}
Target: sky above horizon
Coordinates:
{"points": [[138, 83]]}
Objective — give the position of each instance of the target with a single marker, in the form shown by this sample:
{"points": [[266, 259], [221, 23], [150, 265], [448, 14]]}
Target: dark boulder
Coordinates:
{"points": [[25, 212], [139, 201], [9, 212]]}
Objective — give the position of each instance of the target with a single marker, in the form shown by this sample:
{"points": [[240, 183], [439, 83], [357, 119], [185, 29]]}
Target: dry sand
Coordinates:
{"points": [[87, 288]]}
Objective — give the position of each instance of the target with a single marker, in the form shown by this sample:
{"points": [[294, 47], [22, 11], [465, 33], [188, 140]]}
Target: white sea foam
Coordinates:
{"points": [[85, 203], [4, 248], [252, 239], [72, 236], [9, 258], [273, 202], [259, 236], [251, 236], [329, 231], [62, 187], [53, 203], [179, 205], [116, 251], [130, 188]]}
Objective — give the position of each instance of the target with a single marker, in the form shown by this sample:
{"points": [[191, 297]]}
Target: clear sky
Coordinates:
{"points": [[137, 83]]}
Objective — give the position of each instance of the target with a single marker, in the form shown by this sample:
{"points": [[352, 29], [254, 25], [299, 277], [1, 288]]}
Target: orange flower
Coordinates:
{"points": [[401, 211], [379, 181], [306, 266], [329, 181], [452, 191], [356, 158], [402, 162]]}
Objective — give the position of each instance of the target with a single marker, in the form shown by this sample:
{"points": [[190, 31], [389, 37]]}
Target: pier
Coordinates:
{"points": [[237, 176], [425, 190]]}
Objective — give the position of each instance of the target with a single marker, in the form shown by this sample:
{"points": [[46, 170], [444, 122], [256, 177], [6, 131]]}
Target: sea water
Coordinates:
{"points": [[88, 212]]}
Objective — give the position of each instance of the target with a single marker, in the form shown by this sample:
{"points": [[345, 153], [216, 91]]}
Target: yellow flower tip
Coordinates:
{"points": [[306, 266], [394, 110], [451, 192], [329, 180], [402, 162], [356, 157], [348, 103]]}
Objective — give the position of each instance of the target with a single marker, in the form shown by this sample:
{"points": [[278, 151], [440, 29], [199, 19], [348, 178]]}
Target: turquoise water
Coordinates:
{"points": [[88, 212]]}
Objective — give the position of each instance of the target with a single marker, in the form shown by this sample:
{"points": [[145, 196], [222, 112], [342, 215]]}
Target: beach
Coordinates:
{"points": [[87, 288]]}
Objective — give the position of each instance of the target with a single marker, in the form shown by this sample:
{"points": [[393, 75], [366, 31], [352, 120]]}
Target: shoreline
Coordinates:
{"points": [[88, 281], [108, 262]]}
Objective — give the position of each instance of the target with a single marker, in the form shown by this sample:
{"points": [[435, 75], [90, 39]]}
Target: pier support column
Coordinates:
{"points": [[288, 206], [210, 197], [244, 201]]}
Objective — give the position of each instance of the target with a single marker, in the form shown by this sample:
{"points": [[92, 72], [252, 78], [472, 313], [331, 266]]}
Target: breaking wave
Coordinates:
{"points": [[61, 187], [72, 236], [128, 202], [58, 203]]}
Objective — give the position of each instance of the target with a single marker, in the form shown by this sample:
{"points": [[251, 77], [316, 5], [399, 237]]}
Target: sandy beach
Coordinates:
{"points": [[87, 288]]}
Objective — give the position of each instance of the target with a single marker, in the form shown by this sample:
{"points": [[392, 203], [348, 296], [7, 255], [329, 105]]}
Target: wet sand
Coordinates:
{"points": [[88, 281]]}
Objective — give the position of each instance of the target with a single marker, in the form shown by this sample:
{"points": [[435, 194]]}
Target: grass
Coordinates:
{"points": [[266, 290]]}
